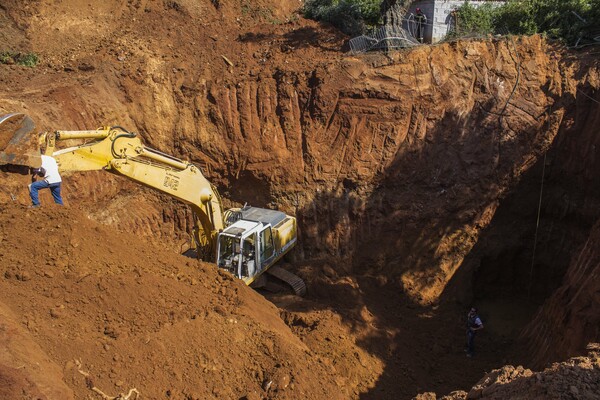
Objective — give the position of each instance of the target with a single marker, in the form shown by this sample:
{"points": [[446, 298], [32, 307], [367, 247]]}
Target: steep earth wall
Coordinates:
{"points": [[362, 150], [569, 319]]}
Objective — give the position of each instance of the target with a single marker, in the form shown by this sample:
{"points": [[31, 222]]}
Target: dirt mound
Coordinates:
{"points": [[115, 314], [577, 378]]}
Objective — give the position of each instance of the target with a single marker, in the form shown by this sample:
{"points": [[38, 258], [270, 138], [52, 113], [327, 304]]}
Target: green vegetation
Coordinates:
{"points": [[256, 12], [26, 59], [472, 20], [349, 16], [567, 20]]}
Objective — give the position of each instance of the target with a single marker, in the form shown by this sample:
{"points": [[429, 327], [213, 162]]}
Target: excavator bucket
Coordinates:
{"points": [[19, 144]]}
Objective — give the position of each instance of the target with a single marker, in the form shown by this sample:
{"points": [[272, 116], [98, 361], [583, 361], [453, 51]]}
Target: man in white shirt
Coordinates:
{"points": [[51, 180]]}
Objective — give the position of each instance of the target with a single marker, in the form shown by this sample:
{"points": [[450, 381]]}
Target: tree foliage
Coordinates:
{"points": [[350, 16], [475, 19], [568, 20]]}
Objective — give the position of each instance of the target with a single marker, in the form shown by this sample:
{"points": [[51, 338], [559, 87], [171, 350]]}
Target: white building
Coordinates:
{"points": [[439, 17]]}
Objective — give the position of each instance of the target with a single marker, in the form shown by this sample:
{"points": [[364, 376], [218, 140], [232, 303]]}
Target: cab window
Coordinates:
{"points": [[266, 245]]}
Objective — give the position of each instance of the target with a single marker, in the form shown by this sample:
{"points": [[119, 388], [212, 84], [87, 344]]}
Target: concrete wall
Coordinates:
{"points": [[438, 16]]}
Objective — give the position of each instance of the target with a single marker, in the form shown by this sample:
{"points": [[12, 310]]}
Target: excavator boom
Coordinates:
{"points": [[121, 152], [246, 242]]}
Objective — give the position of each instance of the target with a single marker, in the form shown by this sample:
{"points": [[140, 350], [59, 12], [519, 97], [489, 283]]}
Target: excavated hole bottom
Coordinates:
{"points": [[518, 262]]}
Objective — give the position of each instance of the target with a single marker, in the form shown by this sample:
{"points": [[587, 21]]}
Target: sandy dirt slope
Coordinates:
{"points": [[111, 312], [25, 369]]}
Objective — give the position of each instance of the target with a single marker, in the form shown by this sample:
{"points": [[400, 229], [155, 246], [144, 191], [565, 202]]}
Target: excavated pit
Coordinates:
{"points": [[416, 178], [518, 253], [517, 250]]}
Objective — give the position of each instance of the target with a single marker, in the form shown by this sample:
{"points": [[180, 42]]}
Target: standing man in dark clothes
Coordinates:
{"points": [[473, 325], [421, 20]]}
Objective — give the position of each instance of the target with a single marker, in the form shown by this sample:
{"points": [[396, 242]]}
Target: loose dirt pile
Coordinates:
{"points": [[85, 306], [577, 378]]}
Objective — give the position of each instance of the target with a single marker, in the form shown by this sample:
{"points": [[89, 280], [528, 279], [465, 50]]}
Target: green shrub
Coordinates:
{"points": [[350, 16], [26, 59], [5, 58], [369, 10], [568, 20], [475, 20], [516, 17]]}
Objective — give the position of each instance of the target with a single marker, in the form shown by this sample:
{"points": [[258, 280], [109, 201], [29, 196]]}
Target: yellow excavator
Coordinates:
{"points": [[246, 242]]}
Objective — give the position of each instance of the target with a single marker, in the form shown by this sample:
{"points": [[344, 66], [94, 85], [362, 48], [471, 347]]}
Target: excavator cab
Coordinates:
{"points": [[228, 253], [253, 243], [236, 249]]}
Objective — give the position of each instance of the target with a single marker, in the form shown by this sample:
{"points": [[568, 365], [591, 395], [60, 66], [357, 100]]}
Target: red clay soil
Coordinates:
{"points": [[576, 378], [414, 176], [90, 307], [87, 309]]}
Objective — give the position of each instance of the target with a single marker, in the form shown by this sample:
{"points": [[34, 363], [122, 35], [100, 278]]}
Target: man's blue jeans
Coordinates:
{"points": [[36, 186]]}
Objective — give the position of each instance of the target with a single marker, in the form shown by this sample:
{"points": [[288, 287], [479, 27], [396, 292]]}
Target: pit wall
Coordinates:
{"points": [[393, 164], [569, 319], [415, 157], [396, 166]]}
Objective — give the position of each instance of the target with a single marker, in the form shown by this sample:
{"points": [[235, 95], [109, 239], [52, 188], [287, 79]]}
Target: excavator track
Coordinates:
{"points": [[295, 282]]}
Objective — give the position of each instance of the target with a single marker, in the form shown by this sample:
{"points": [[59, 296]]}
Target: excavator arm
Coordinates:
{"points": [[121, 152], [246, 242]]}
